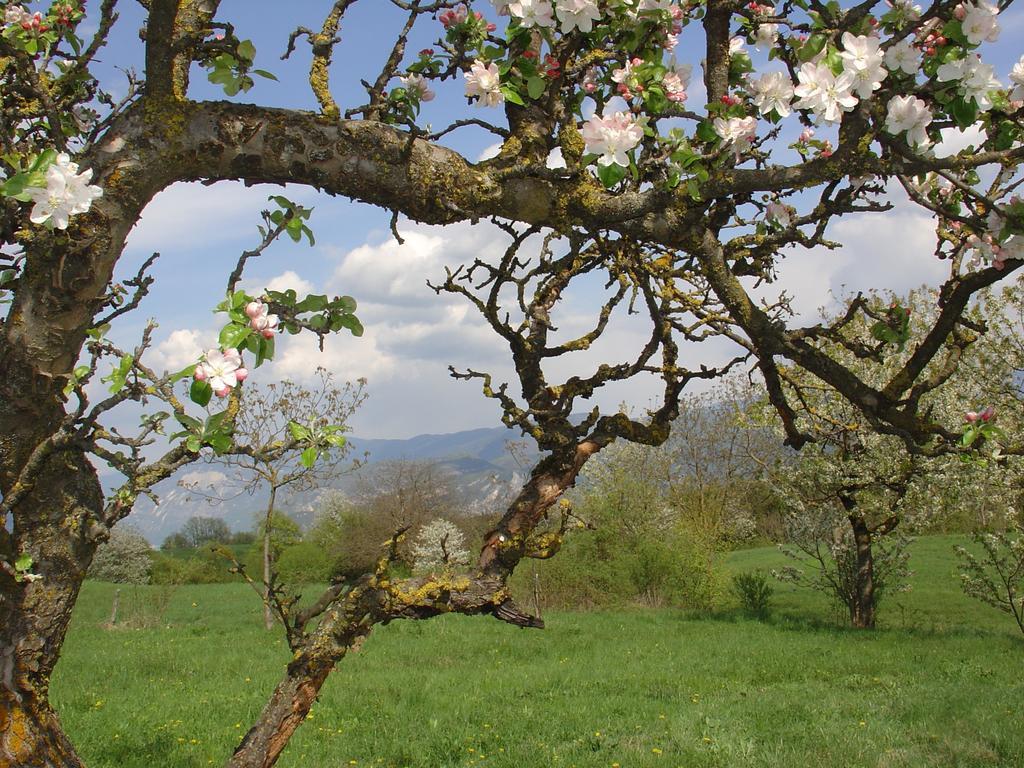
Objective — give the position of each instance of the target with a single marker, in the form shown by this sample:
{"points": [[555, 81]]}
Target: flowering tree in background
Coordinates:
{"points": [[682, 195]]}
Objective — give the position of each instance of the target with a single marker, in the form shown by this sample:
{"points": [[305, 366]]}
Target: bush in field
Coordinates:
{"points": [[125, 558], [997, 576], [754, 592], [439, 545], [303, 563], [201, 566]]}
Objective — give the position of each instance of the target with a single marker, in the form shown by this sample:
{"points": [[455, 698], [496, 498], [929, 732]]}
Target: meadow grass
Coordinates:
{"points": [[938, 684]]}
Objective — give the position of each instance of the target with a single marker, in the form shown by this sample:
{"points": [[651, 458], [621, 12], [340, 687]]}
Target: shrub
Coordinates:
{"points": [[754, 592], [125, 558], [303, 563], [997, 576]]}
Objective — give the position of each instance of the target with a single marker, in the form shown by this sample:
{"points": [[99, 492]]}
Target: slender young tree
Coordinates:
{"points": [[682, 203], [267, 417]]}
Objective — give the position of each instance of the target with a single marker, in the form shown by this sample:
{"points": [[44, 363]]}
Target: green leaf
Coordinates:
{"points": [[265, 351], [220, 443], [298, 431], [233, 335], [246, 50], [312, 303], [189, 423], [611, 174], [200, 393], [265, 73], [23, 563], [512, 96], [535, 87], [309, 456], [815, 44]]}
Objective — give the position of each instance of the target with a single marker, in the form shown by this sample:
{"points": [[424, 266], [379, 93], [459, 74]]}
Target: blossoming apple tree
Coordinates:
{"points": [[686, 172]]}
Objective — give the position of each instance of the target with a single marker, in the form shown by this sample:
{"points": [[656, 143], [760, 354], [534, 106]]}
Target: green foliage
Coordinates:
{"points": [[303, 563], [198, 569], [754, 592]]}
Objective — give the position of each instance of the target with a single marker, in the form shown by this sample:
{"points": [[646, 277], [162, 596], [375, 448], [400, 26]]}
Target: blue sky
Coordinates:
{"points": [[412, 334]]}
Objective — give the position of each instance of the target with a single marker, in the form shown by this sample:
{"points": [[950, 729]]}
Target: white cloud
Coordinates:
{"points": [[954, 140], [191, 215], [286, 280], [182, 348]]}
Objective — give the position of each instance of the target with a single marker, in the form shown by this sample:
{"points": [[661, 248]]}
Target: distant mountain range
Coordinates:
{"points": [[478, 460]]}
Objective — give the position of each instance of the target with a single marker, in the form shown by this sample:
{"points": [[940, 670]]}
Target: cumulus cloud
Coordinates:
{"points": [[191, 215], [283, 282], [181, 348]]}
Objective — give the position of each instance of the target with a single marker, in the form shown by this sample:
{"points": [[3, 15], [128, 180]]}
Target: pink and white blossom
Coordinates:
{"points": [[765, 36], [976, 80], [260, 320], [910, 114], [67, 192], [862, 59], [773, 91], [1017, 78], [16, 15], [222, 370], [979, 22], [577, 14], [903, 57], [484, 82], [612, 137], [417, 85], [533, 13], [736, 132], [675, 88], [823, 93], [779, 214]]}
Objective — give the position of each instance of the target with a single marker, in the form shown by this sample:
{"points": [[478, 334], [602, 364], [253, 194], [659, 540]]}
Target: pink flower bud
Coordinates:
{"points": [[970, 417], [960, 12], [200, 373], [988, 414], [241, 374], [255, 308]]}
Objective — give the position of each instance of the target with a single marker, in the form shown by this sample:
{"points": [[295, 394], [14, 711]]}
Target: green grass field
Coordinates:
{"points": [[938, 684]]}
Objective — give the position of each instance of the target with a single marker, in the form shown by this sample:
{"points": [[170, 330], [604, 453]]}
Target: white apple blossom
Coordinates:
{"points": [[976, 79], [501, 6], [577, 14], [484, 82], [765, 36], [822, 92], [1017, 78], [736, 132], [863, 60], [611, 137], [67, 192], [779, 214], [903, 57], [16, 15], [979, 22], [910, 114], [222, 370], [417, 84], [910, 11], [772, 91], [533, 13], [736, 45]]}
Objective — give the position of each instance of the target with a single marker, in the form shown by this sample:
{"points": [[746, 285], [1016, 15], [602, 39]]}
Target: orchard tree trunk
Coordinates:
{"points": [[268, 617], [862, 604]]}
